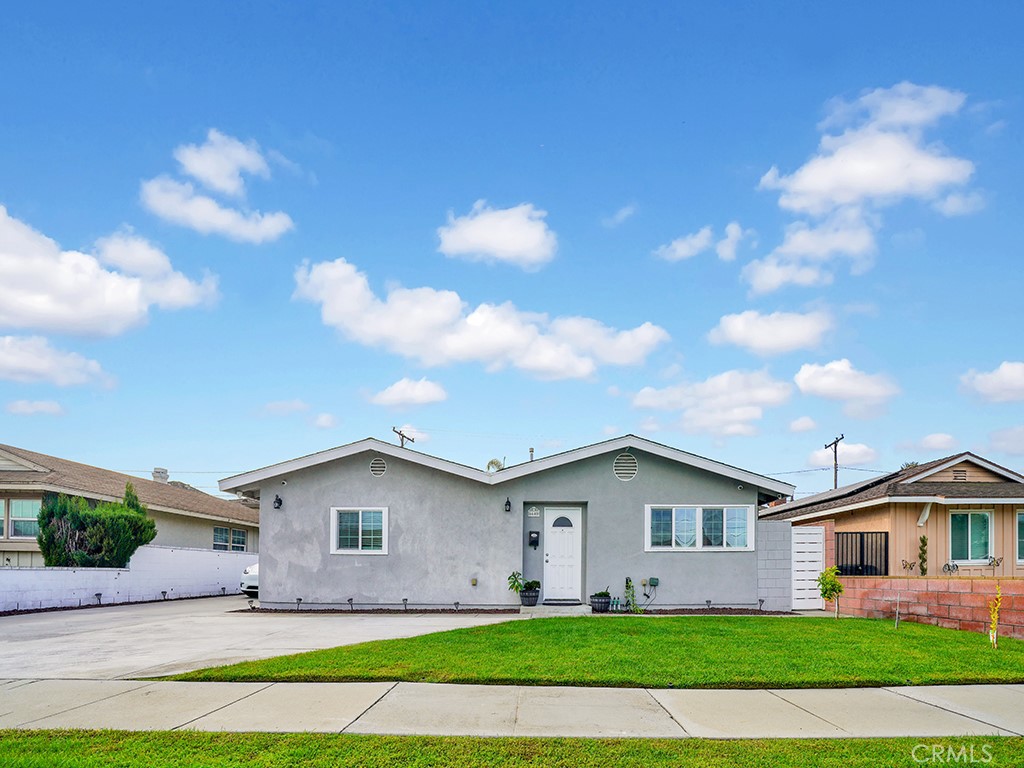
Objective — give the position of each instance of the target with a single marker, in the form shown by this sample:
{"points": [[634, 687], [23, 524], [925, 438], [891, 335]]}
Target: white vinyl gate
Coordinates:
{"points": [[808, 563]]}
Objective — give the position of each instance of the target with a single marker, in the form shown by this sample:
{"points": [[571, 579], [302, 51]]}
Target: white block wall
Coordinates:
{"points": [[179, 571], [775, 564]]}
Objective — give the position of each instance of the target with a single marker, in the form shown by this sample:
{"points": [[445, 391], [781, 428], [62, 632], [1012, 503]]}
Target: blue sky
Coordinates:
{"points": [[231, 235]]}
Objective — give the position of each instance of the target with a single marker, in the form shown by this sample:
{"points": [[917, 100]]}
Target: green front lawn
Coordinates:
{"points": [[649, 652], [186, 749]]}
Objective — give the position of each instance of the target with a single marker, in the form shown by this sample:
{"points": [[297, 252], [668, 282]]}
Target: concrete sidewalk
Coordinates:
{"points": [[477, 710]]}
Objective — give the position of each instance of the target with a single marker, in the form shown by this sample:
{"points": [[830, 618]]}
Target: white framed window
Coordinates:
{"points": [[229, 539], [238, 540], [3, 518], [1020, 535], [25, 517], [970, 536], [359, 530], [698, 527], [221, 538]]}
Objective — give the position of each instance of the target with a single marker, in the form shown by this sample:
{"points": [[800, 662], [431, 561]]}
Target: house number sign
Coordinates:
{"points": [[533, 512]]}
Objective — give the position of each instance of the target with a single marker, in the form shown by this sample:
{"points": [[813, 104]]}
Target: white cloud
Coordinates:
{"points": [[850, 455], [31, 359], [220, 161], [773, 334], [45, 288], [437, 327], [620, 216], [723, 405], [958, 204], [649, 425], [862, 393], [734, 235], [686, 247], [1003, 385], [804, 256], [877, 156], [1009, 440], [33, 407], [416, 434], [517, 235], [285, 407], [802, 424], [325, 421], [179, 203], [937, 441], [409, 392]]}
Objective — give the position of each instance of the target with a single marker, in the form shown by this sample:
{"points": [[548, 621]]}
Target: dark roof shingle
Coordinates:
{"points": [[70, 476]]}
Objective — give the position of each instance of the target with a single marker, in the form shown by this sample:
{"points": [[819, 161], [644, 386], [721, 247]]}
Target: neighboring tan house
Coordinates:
{"points": [[373, 525], [971, 510], [185, 517]]}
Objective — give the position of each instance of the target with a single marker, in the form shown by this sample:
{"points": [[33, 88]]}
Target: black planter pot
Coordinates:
{"points": [[529, 597], [599, 604]]}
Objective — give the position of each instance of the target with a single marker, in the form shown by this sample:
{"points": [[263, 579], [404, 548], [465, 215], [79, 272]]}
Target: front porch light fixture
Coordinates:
{"points": [[277, 501], [508, 504]]}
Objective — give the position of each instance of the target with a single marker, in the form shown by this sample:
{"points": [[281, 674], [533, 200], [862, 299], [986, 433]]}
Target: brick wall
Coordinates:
{"points": [[959, 603]]}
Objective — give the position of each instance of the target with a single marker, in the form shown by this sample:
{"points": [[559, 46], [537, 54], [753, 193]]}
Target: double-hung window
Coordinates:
{"points": [[970, 536], [238, 538], [692, 528], [221, 538], [229, 539], [25, 517], [359, 531]]}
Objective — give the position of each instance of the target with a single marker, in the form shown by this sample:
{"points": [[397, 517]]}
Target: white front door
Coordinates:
{"points": [[563, 553]]}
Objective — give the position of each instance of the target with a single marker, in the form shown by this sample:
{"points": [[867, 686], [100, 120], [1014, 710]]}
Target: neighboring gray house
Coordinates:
{"points": [[378, 525]]}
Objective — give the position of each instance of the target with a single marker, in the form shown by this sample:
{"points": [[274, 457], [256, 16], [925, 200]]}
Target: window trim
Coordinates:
{"points": [[991, 534], [226, 546], [9, 529], [359, 552], [1018, 518], [751, 523]]}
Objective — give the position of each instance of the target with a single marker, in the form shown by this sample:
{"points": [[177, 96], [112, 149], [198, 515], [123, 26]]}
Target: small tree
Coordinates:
{"points": [[922, 555], [830, 586], [71, 533]]}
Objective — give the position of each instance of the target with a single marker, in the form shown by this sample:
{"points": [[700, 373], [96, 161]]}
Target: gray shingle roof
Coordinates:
{"points": [[895, 484], [93, 482]]}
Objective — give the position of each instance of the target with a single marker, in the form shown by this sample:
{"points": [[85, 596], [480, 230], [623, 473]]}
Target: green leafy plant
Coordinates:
{"points": [[830, 586], [922, 555], [74, 534], [515, 582], [630, 595], [530, 586], [603, 593]]}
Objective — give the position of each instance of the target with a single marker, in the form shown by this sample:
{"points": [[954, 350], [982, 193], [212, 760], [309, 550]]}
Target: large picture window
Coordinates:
{"points": [[970, 536], [357, 531], [1020, 536], [693, 528], [25, 517]]}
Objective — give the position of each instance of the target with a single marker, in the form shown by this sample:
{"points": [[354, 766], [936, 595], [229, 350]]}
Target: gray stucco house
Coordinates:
{"points": [[376, 524]]}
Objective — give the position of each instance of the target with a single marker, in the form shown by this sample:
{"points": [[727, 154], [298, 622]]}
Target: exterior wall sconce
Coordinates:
{"points": [[508, 504], [277, 502]]}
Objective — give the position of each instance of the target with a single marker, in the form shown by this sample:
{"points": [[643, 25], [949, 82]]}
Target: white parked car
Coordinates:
{"points": [[250, 585]]}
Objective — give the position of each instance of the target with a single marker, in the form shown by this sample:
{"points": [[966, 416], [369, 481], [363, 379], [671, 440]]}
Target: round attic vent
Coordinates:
{"points": [[625, 466], [378, 467]]}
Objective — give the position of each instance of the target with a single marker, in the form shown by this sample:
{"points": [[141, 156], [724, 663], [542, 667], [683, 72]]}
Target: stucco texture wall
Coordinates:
{"points": [[445, 531]]}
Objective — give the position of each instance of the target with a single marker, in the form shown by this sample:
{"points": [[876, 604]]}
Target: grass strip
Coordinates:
{"points": [[663, 652], [187, 749]]}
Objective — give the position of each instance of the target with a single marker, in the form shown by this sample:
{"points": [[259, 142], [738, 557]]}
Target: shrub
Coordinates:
{"points": [[922, 555], [73, 534], [830, 586]]}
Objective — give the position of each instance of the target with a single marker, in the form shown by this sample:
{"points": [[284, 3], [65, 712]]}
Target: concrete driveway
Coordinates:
{"points": [[180, 635]]}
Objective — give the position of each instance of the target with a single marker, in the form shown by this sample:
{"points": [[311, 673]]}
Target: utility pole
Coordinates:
{"points": [[402, 437], [834, 445]]}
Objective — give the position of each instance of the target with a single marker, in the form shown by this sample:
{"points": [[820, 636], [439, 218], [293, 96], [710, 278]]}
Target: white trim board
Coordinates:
{"points": [[251, 480]]}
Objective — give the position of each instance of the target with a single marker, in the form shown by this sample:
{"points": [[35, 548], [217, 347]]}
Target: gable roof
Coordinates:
{"points": [[908, 484], [249, 481], [38, 471]]}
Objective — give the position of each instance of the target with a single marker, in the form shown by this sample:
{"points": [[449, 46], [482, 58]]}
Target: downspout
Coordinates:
{"points": [[924, 515]]}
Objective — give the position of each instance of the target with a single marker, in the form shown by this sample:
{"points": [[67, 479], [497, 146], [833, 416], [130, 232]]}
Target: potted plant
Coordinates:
{"points": [[528, 591], [599, 601]]}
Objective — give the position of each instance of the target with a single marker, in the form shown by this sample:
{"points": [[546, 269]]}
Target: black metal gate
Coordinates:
{"points": [[863, 554]]}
